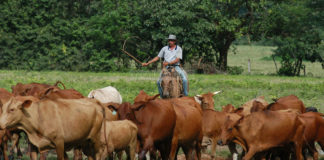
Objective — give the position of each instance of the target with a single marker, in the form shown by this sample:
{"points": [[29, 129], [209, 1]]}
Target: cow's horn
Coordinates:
{"points": [[217, 92]]}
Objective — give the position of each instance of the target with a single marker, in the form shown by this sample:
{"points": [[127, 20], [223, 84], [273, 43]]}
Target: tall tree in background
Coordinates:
{"points": [[205, 28], [294, 27]]}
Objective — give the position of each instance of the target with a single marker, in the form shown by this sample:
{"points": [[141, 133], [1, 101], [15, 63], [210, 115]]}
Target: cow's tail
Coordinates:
{"points": [[59, 82]]}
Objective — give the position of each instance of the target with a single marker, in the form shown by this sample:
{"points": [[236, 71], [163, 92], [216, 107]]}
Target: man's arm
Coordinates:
{"points": [[171, 63], [151, 61]]}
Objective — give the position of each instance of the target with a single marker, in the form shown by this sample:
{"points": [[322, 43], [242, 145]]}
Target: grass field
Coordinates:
{"points": [[237, 89]]}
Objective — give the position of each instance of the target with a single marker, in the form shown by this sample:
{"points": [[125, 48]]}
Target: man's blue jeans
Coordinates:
{"points": [[184, 79]]}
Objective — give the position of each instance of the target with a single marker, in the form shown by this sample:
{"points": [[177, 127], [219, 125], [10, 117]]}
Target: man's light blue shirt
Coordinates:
{"points": [[170, 55]]}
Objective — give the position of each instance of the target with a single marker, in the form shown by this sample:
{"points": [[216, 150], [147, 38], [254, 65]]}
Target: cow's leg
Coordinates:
{"points": [[120, 154], [174, 147], [188, 152], [232, 148], [298, 151], [32, 151], [60, 149], [164, 149], [250, 153], [312, 149], [148, 144], [213, 148], [43, 155], [198, 146], [4, 147]]}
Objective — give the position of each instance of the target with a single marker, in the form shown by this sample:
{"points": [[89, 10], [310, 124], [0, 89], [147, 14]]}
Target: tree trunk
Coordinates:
{"points": [[223, 52], [223, 61]]}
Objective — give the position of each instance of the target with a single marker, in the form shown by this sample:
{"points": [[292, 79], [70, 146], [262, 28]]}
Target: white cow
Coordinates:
{"points": [[106, 95]]}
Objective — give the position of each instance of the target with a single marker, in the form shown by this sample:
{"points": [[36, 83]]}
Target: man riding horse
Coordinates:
{"points": [[172, 55]]}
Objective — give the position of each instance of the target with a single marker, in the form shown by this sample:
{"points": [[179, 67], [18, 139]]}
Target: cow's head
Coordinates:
{"points": [[229, 108], [143, 98], [257, 106], [124, 111], [45, 92], [229, 128], [19, 89], [206, 101], [14, 110]]}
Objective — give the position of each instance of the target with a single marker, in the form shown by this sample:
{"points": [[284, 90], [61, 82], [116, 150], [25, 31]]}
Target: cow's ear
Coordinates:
{"points": [[48, 91], [26, 103], [216, 92], [153, 97], [26, 91], [198, 98], [138, 106]]}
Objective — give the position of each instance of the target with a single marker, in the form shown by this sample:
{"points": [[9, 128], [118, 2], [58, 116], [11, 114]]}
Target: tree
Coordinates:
{"points": [[293, 27], [205, 28]]}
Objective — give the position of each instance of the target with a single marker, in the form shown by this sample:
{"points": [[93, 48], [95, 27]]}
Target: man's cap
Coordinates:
{"points": [[172, 37]]}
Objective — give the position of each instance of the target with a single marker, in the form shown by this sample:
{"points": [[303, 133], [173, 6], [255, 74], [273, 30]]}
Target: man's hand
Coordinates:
{"points": [[145, 64], [165, 64]]}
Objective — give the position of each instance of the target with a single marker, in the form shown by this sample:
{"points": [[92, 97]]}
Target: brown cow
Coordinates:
{"points": [[246, 107], [32, 89], [155, 120], [284, 103], [119, 135], [213, 121], [5, 134], [188, 130], [314, 132], [287, 102], [54, 93], [261, 131], [59, 124], [229, 108]]}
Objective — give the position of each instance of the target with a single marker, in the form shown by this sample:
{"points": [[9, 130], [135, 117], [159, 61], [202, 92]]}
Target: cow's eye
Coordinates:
{"points": [[230, 129], [11, 110]]}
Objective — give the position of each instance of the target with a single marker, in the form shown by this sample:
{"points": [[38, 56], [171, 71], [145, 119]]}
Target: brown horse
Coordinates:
{"points": [[171, 83]]}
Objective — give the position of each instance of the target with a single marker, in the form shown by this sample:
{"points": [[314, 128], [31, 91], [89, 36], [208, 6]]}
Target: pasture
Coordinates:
{"points": [[237, 89]]}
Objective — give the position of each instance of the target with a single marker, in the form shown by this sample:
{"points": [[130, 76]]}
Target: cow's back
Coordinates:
{"points": [[75, 120], [106, 95], [270, 127], [189, 118], [292, 102], [157, 119]]}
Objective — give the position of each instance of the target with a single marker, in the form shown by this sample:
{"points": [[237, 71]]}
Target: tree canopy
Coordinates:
{"points": [[88, 35]]}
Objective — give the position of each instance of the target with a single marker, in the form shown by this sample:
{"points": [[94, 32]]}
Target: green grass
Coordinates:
{"points": [[237, 89], [262, 63]]}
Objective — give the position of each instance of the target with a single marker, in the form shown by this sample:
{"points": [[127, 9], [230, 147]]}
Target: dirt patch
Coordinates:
{"points": [[203, 157]]}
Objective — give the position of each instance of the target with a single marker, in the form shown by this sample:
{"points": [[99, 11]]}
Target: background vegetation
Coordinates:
{"points": [[88, 35]]}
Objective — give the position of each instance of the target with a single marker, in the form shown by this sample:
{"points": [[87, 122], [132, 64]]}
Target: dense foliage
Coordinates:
{"points": [[88, 35]]}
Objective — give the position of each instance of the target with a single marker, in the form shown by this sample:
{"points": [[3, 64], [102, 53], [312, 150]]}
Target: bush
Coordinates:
{"points": [[235, 70]]}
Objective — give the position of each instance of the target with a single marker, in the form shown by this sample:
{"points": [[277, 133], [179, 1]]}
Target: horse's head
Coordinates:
{"points": [[170, 83]]}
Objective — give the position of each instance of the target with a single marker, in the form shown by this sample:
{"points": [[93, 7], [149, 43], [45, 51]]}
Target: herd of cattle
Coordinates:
{"points": [[101, 124]]}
